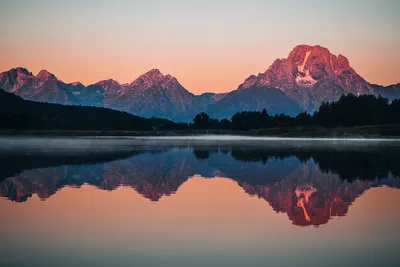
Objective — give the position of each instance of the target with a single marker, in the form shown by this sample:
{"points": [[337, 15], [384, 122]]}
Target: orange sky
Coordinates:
{"points": [[207, 45]]}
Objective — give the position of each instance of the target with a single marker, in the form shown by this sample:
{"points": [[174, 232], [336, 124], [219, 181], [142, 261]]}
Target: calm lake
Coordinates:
{"points": [[203, 201]]}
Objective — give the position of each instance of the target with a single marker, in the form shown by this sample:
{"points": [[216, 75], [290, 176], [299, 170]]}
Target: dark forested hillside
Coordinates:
{"points": [[349, 111], [19, 114]]}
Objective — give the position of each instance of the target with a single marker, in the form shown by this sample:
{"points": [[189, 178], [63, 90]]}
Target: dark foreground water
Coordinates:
{"points": [[177, 202]]}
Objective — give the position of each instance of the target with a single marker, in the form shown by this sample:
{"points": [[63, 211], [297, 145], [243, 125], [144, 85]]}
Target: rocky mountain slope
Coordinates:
{"points": [[309, 76]]}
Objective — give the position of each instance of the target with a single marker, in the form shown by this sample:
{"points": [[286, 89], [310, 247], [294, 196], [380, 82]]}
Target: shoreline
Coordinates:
{"points": [[366, 132]]}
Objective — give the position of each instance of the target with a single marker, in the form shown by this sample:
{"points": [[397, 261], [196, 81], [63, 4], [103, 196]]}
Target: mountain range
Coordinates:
{"points": [[309, 76]]}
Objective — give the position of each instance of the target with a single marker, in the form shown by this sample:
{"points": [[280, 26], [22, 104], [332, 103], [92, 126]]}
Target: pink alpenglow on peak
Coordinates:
{"points": [[108, 83], [152, 78], [44, 74], [77, 84], [311, 75], [22, 71]]}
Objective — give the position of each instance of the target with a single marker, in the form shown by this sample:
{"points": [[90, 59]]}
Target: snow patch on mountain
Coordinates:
{"points": [[301, 67], [305, 79]]}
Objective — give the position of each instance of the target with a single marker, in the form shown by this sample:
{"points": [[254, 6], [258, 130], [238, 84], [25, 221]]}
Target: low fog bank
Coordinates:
{"points": [[89, 145]]}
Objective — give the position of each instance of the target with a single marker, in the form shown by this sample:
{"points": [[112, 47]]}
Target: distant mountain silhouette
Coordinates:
{"points": [[255, 98], [390, 92]]}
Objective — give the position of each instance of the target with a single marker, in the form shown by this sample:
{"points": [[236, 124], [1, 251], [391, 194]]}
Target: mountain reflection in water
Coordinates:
{"points": [[308, 183]]}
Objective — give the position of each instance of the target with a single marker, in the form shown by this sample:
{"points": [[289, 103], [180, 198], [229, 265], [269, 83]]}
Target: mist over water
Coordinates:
{"points": [[127, 143], [199, 201], [266, 138]]}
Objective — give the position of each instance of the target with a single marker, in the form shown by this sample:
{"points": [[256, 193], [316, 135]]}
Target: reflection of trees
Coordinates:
{"points": [[201, 154], [349, 165]]}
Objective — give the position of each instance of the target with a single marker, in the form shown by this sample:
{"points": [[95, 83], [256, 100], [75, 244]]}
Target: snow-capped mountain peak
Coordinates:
{"points": [[310, 75]]}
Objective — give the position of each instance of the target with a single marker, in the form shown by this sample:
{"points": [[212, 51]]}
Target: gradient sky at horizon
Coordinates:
{"points": [[209, 46]]}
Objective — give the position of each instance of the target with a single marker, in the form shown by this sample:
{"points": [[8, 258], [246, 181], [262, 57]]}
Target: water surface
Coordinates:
{"points": [[199, 202]]}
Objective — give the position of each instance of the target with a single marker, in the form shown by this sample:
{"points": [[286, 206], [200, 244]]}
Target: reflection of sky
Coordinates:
{"points": [[208, 222], [208, 45]]}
